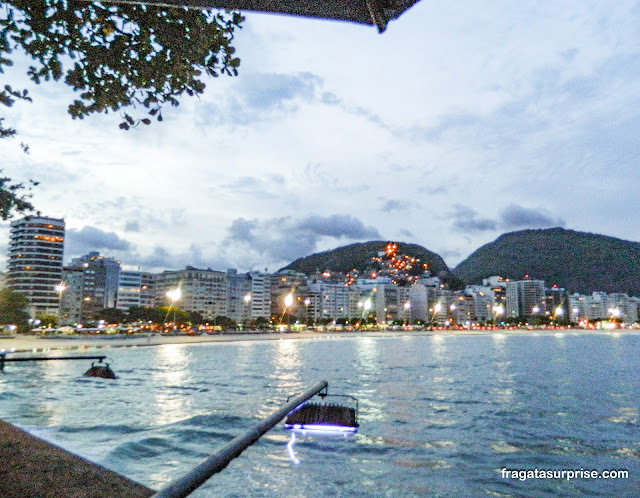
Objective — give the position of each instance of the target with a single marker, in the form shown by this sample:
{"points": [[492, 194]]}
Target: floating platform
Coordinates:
{"points": [[31, 467]]}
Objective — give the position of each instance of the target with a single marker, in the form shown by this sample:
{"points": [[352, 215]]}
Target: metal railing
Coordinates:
{"points": [[4, 359], [219, 460]]}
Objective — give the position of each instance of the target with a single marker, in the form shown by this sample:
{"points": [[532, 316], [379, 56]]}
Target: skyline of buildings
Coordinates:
{"points": [[91, 283]]}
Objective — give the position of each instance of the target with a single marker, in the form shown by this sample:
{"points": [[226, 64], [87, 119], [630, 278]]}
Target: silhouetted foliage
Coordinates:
{"points": [[13, 309], [119, 56], [47, 320], [111, 315], [14, 197], [116, 56]]}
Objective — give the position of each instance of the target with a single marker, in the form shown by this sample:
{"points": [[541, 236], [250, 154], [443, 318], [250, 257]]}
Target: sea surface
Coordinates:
{"points": [[439, 415]]}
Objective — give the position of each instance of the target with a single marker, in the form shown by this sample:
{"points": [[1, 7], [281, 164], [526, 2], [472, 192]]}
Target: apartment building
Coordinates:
{"points": [[35, 261], [202, 291]]}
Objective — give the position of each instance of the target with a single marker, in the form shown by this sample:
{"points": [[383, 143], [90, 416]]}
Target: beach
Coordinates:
{"points": [[23, 343]]}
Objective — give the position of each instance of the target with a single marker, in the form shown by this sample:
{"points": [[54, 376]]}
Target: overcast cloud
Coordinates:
{"points": [[87, 239], [285, 239], [515, 217]]}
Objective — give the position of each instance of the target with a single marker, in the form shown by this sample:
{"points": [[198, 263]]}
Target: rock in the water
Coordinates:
{"points": [[102, 371]]}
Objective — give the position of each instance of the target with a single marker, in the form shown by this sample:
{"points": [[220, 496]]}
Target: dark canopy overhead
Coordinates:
{"points": [[373, 12]]}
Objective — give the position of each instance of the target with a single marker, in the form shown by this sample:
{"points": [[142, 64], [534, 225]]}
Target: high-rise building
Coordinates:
{"points": [[557, 304], [202, 291], [35, 261], [393, 303], [135, 288], [283, 283], [71, 299], [526, 298], [100, 277], [326, 301], [248, 295]]}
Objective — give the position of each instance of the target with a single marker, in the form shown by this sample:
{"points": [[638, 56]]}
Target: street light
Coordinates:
{"points": [[174, 295], [307, 302], [288, 302], [60, 288], [498, 311], [247, 300]]}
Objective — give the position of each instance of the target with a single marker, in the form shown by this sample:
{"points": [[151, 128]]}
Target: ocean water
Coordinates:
{"points": [[439, 415]]}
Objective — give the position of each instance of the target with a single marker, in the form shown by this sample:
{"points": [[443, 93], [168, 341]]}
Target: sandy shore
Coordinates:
{"points": [[30, 343]]}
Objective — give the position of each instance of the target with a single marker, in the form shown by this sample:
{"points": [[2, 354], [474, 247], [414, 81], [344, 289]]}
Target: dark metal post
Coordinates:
{"points": [[48, 358], [215, 463]]}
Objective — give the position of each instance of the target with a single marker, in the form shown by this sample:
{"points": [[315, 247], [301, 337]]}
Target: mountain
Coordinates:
{"points": [[359, 256], [578, 261]]}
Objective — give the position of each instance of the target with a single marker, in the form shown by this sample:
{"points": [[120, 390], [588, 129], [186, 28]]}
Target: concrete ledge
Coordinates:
{"points": [[31, 467]]}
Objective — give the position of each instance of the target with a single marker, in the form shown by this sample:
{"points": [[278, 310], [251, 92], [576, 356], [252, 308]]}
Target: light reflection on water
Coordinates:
{"points": [[439, 415], [173, 368]]}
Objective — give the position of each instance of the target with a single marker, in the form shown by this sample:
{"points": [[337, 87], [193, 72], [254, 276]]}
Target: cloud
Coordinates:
{"points": [[394, 205], [252, 243], [80, 242], [161, 258], [515, 217], [466, 219], [268, 187], [266, 91], [132, 226], [286, 239], [261, 96]]}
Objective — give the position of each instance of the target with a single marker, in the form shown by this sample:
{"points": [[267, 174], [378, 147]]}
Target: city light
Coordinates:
{"points": [[174, 294], [288, 300]]}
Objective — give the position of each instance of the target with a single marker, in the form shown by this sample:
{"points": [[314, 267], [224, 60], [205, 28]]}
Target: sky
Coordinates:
{"points": [[461, 122]]}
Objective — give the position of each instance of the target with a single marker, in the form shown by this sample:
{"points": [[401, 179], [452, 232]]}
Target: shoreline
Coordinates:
{"points": [[34, 344]]}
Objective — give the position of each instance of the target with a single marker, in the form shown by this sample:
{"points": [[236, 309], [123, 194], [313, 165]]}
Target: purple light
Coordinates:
{"points": [[320, 429]]}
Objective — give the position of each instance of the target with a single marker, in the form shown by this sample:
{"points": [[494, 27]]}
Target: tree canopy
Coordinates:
{"points": [[119, 56], [116, 57], [13, 309]]}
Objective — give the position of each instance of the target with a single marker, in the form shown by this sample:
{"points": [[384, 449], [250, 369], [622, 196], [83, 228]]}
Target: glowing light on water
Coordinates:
{"points": [[321, 429], [290, 444]]}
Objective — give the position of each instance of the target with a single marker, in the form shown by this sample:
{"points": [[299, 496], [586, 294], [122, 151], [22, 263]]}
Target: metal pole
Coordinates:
{"points": [[47, 358], [215, 463]]}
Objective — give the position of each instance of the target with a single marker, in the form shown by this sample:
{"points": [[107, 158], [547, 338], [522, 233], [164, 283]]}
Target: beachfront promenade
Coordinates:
{"points": [[38, 343]]}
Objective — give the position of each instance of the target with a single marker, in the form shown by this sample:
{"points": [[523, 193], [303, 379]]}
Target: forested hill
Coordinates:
{"points": [[359, 256], [578, 261]]}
